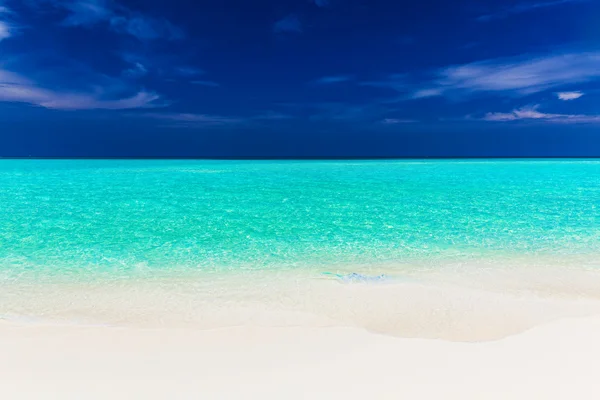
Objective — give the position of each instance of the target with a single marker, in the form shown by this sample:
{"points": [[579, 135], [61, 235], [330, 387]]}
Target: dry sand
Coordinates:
{"points": [[556, 361]]}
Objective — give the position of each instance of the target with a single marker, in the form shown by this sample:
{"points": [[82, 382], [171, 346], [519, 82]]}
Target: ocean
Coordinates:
{"points": [[452, 249]]}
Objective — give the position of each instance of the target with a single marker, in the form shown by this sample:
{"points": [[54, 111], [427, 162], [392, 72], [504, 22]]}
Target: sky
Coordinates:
{"points": [[299, 78]]}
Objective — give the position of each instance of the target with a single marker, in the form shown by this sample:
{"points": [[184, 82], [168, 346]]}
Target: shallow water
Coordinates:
{"points": [[469, 250]]}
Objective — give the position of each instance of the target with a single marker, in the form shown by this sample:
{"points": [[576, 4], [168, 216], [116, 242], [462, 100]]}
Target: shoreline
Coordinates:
{"points": [[458, 309], [552, 361]]}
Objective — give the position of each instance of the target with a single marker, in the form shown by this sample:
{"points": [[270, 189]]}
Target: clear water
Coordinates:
{"points": [[219, 243]]}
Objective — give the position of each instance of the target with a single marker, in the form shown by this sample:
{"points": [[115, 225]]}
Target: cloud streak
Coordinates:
{"points": [[15, 88], [6, 28], [159, 65], [531, 113], [145, 28], [119, 19], [59, 101], [137, 71], [526, 7], [188, 71], [425, 93], [85, 12], [396, 121], [521, 76], [516, 76], [568, 96], [192, 120]]}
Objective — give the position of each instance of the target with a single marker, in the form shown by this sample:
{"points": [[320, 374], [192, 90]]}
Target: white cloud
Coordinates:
{"points": [[4, 9], [513, 76], [18, 89], [566, 96], [141, 99], [425, 93], [73, 85], [5, 31], [532, 113], [525, 76]]}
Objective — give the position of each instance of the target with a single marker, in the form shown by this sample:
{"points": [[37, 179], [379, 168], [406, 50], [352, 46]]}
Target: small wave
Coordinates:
{"points": [[359, 278]]}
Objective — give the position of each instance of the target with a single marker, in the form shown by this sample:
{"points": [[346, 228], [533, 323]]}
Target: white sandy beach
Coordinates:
{"points": [[554, 361]]}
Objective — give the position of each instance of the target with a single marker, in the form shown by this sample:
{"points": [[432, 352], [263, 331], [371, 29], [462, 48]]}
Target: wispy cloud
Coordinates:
{"points": [[531, 113], [396, 121], [138, 70], [86, 101], [18, 89], [193, 120], [5, 30], [526, 7], [327, 80], [205, 83], [6, 27], [145, 28], [49, 78], [188, 71], [168, 66], [567, 96], [85, 12], [524, 76], [516, 76], [272, 116], [289, 24], [118, 18], [425, 93]]}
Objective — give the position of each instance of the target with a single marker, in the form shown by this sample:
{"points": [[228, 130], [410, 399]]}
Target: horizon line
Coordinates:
{"points": [[296, 158]]}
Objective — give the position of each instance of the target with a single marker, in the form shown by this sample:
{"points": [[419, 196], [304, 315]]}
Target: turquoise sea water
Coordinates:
{"points": [[252, 232]]}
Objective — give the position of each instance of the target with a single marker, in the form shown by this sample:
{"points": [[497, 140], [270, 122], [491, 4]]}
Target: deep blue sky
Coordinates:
{"points": [[299, 78]]}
